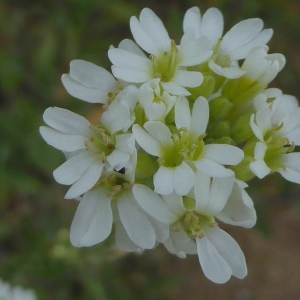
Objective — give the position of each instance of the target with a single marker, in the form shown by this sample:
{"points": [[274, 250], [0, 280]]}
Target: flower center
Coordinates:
{"points": [[194, 223], [164, 66], [185, 147], [102, 143], [116, 184], [277, 146]]}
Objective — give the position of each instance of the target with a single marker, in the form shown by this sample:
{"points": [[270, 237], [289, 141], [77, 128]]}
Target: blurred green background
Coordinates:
{"points": [[38, 39]]}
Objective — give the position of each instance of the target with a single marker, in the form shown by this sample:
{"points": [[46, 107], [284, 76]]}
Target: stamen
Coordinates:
{"points": [[96, 129], [161, 161], [201, 137], [213, 224]]}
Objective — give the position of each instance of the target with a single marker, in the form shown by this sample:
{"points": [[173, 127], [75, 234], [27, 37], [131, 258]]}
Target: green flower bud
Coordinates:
{"points": [[242, 170], [219, 108], [146, 166], [241, 130]]}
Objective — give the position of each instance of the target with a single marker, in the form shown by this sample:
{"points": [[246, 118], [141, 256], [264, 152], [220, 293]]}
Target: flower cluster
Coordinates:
{"points": [[184, 126]]}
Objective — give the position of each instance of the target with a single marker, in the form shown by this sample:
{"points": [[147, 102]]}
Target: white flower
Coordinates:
{"points": [[9, 292], [239, 209], [155, 102], [261, 66], [271, 153], [280, 104], [119, 115], [192, 220], [113, 203], [167, 61], [89, 82], [236, 44], [92, 148], [179, 154]]}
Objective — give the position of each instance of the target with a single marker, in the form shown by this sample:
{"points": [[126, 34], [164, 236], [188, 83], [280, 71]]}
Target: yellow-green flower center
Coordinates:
{"points": [[194, 223], [185, 147], [164, 66], [102, 143]]}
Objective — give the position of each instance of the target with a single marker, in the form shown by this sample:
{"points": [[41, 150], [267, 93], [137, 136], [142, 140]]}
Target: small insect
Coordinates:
{"points": [[121, 171]]}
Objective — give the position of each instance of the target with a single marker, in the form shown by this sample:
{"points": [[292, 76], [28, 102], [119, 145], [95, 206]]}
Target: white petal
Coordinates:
{"points": [[223, 154], [290, 175], [71, 170], [162, 231], [92, 222], [213, 264], [136, 224], [213, 169], [131, 46], [175, 89], [241, 34], [160, 132], [175, 204], [200, 116], [116, 117], [91, 75], [66, 121], [202, 191], [123, 242], [155, 29], [79, 91], [194, 52], [153, 204], [141, 37], [183, 179], [129, 75], [192, 19], [260, 168], [188, 78], [260, 151], [86, 182], [171, 248], [256, 130], [62, 141], [239, 209], [229, 250], [163, 181], [261, 39], [212, 24], [231, 72], [126, 143], [263, 119], [146, 141], [182, 243], [219, 192], [127, 60], [183, 116], [118, 159], [291, 169]]}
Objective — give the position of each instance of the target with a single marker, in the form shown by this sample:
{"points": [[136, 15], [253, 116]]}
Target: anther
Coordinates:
{"points": [[213, 224]]}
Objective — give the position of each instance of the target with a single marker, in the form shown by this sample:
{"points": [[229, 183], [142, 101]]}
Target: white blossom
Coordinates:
{"points": [[192, 220], [177, 152], [88, 82], [236, 44], [155, 102], [167, 61], [261, 66], [9, 292], [92, 148], [272, 150]]}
